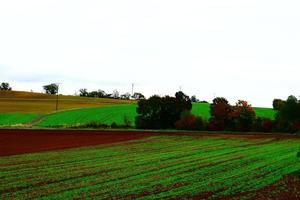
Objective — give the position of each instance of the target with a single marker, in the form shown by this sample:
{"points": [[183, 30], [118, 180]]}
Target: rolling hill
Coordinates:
{"points": [[39, 109]]}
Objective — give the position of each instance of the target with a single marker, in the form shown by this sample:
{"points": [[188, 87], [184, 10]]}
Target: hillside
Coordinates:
{"points": [[30, 102], [39, 109]]}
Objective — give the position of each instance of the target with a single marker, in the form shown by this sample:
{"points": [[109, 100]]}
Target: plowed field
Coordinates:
{"points": [[144, 165]]}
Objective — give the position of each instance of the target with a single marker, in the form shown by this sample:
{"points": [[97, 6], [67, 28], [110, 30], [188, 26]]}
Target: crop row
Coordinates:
{"points": [[155, 167]]}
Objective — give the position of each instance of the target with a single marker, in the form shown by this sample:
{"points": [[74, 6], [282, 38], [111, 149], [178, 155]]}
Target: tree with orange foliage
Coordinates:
{"points": [[221, 112], [243, 116]]}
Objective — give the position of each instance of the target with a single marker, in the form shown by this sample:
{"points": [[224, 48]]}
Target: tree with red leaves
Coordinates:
{"points": [[221, 112], [243, 116]]}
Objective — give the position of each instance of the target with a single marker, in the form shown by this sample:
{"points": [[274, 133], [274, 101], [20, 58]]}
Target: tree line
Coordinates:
{"points": [[115, 94], [175, 113], [54, 87]]}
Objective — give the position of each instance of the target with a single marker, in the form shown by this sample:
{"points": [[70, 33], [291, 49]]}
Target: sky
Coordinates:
{"points": [[238, 49]]}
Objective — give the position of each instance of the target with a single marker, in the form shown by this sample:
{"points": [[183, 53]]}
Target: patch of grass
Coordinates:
{"points": [[103, 115], [265, 113], [159, 167], [87, 109], [201, 109], [110, 114], [8, 119]]}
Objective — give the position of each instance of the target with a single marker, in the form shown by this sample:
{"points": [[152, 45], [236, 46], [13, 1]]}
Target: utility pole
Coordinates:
{"points": [[132, 85], [57, 95]]}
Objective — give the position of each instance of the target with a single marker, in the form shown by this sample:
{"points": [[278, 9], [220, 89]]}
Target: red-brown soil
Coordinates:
{"points": [[286, 188], [14, 142], [19, 141]]}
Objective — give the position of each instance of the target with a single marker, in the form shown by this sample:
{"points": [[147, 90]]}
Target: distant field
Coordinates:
{"points": [[116, 114], [157, 167], [16, 118], [201, 109], [29, 102], [265, 113], [107, 115], [79, 110]]}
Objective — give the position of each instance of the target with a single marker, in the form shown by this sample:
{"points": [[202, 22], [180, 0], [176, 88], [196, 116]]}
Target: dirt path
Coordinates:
{"points": [[17, 141]]}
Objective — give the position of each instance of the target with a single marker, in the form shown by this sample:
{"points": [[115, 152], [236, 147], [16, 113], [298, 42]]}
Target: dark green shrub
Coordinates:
{"points": [[93, 124], [114, 125], [188, 121]]}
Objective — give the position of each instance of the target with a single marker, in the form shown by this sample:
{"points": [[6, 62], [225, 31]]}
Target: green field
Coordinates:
{"points": [[107, 115], [153, 168], [7, 119], [116, 114], [39, 109]]}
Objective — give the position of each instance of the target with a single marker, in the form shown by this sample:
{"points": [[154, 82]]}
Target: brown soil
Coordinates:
{"points": [[14, 142], [18, 141], [286, 188]]}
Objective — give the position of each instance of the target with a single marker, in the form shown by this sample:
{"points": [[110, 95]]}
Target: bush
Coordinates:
{"points": [[188, 121], [258, 125], [212, 125], [295, 127], [267, 125], [114, 125], [298, 154], [93, 124]]}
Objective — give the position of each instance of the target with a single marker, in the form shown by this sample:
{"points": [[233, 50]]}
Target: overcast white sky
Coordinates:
{"points": [[239, 49]]}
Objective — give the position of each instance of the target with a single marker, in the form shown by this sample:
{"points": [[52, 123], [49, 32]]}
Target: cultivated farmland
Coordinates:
{"points": [[30, 102], [110, 114], [158, 166], [26, 108], [107, 115], [16, 118]]}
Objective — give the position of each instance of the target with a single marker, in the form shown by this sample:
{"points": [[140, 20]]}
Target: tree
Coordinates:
{"points": [[108, 96], [83, 92], [290, 111], [92, 94], [148, 113], [183, 100], [243, 116], [161, 112], [138, 96], [194, 99], [51, 88], [288, 117], [5, 86], [220, 112], [125, 96], [115, 94], [278, 104]]}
